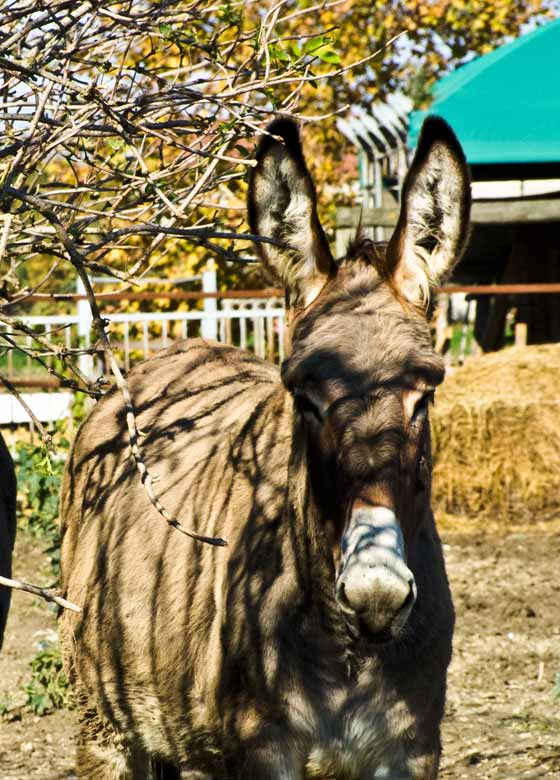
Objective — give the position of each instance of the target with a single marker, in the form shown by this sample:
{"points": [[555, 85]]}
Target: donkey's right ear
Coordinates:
{"points": [[283, 206], [433, 226]]}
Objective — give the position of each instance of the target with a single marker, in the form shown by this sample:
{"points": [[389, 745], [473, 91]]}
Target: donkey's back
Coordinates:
{"points": [[213, 437]]}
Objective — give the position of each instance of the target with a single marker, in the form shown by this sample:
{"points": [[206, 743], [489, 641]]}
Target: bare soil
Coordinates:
{"points": [[502, 721], [31, 747]]}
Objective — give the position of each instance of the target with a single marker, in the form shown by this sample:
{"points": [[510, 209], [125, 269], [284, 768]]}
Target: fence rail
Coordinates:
{"points": [[145, 295], [252, 320], [255, 324]]}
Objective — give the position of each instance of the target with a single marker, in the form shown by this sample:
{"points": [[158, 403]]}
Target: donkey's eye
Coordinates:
{"points": [[421, 406], [308, 407]]}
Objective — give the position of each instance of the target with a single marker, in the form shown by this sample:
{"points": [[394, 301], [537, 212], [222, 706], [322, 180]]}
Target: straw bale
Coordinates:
{"points": [[496, 436]]}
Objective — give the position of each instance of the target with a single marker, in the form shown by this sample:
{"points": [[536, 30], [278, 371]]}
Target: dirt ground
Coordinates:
{"points": [[502, 721]]}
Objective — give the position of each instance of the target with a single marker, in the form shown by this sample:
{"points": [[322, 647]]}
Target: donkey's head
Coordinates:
{"points": [[362, 370]]}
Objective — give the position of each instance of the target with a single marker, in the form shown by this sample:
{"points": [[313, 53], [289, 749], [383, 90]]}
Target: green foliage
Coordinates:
{"points": [[556, 688], [321, 47], [79, 411], [49, 688], [39, 476], [230, 15], [299, 57]]}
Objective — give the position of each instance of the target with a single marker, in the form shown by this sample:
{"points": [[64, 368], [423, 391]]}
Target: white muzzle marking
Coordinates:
{"points": [[374, 584]]}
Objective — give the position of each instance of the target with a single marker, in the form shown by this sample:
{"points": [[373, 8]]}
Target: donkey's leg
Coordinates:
{"points": [[163, 770], [103, 753], [276, 758], [101, 761]]}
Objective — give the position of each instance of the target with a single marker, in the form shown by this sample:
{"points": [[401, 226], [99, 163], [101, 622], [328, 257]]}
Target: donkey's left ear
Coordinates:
{"points": [[283, 206], [433, 225]]}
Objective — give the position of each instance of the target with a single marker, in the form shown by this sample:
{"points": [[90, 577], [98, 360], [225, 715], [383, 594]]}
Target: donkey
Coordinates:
{"points": [[7, 528], [316, 644]]}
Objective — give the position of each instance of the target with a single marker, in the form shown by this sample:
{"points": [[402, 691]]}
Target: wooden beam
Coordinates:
{"points": [[515, 212], [349, 217], [502, 289], [494, 212], [171, 295], [42, 382]]}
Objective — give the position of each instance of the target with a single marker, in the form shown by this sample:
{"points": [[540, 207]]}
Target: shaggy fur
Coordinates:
{"points": [[237, 663]]}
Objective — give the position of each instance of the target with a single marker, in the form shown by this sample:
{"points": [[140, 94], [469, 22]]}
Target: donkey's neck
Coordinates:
{"points": [[312, 548]]}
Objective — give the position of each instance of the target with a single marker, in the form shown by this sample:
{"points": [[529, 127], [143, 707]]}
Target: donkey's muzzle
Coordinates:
{"points": [[375, 588]]}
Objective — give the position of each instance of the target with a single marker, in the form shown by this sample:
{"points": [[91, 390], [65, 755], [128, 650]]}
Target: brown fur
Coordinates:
{"points": [[7, 528], [236, 663]]}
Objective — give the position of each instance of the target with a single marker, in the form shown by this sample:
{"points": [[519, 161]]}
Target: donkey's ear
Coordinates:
{"points": [[283, 206], [433, 225]]}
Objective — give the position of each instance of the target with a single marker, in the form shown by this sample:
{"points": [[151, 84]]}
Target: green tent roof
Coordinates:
{"points": [[504, 106]]}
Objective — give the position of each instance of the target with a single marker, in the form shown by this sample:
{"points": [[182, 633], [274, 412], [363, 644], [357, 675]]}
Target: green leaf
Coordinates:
{"points": [[166, 30], [114, 144], [311, 46], [278, 53], [48, 688], [312, 82], [321, 47], [328, 55], [228, 14]]}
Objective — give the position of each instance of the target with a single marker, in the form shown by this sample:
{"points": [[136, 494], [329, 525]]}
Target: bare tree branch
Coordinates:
{"points": [[120, 122], [45, 593], [45, 436]]}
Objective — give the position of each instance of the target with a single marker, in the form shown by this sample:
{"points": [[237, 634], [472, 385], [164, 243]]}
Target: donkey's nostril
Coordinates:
{"points": [[411, 598], [341, 595]]}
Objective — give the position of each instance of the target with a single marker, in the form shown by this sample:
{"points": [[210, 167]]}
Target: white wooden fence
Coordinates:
{"points": [[256, 324]]}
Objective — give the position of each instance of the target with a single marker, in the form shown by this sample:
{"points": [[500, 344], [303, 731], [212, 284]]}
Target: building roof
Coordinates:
{"points": [[504, 106]]}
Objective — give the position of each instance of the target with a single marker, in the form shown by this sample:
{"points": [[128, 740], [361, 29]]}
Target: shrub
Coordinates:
{"points": [[39, 478], [49, 688]]}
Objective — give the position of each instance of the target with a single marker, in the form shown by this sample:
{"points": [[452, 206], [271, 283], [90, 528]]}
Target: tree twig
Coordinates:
{"points": [[45, 436], [45, 593]]}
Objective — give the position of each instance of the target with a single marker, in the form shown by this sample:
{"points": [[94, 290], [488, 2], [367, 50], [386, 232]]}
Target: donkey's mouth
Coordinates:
{"points": [[375, 589], [395, 630], [383, 637], [360, 628], [361, 632]]}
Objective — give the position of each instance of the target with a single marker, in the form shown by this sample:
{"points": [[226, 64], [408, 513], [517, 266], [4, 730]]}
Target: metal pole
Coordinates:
{"points": [[209, 326], [85, 319]]}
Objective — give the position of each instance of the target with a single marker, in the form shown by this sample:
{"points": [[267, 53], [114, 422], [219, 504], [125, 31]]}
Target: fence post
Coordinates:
{"points": [[209, 325], [85, 362], [520, 332]]}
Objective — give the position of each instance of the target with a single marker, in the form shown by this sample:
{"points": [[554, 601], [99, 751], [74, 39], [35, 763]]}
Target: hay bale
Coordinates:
{"points": [[496, 435]]}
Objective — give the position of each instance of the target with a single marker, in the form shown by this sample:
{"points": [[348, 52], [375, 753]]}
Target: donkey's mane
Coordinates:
{"points": [[362, 248], [373, 254]]}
